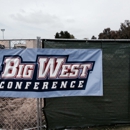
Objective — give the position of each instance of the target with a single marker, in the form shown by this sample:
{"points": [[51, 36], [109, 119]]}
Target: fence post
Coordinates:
{"points": [[10, 44], [38, 42], [40, 113], [38, 124]]}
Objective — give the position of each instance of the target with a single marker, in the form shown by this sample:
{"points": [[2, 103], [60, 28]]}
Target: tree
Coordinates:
{"points": [[125, 30], [61, 34], [72, 36], [106, 34], [2, 46], [57, 35], [64, 35], [93, 37], [122, 33]]}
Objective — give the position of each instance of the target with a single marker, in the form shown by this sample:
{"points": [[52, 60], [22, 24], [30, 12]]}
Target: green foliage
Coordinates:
{"points": [[122, 33], [64, 35], [57, 35], [93, 37], [2, 46]]}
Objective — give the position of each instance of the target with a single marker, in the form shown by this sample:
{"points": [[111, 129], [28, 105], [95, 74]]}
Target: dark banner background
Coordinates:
{"points": [[113, 107]]}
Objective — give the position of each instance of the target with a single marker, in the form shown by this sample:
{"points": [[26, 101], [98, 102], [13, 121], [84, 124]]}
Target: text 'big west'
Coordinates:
{"points": [[48, 68]]}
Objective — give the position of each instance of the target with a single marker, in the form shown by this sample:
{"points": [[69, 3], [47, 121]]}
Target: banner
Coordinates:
{"points": [[46, 73]]}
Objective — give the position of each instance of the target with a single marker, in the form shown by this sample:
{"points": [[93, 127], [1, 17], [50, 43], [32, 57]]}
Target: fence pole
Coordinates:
{"points": [[40, 113], [38, 42], [37, 113], [10, 44]]}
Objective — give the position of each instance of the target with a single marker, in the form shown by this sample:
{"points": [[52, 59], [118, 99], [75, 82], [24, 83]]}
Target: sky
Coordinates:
{"points": [[27, 19]]}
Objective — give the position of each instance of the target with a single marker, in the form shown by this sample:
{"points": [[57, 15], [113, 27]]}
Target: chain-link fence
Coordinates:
{"points": [[20, 114], [113, 107]]}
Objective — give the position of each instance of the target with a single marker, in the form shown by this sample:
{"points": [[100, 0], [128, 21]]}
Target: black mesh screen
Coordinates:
{"points": [[112, 107]]}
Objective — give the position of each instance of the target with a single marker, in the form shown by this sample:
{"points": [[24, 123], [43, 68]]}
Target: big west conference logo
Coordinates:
{"points": [[48, 73]]}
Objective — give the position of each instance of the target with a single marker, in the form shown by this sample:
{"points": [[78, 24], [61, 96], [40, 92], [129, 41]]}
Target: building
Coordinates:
{"points": [[20, 43]]}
